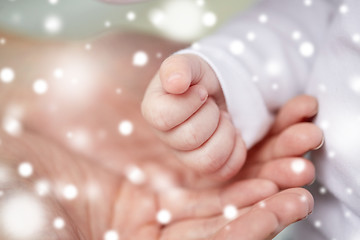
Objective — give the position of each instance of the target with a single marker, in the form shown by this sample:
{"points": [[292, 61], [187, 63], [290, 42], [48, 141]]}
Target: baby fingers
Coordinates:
{"points": [[213, 154], [165, 111], [194, 131]]}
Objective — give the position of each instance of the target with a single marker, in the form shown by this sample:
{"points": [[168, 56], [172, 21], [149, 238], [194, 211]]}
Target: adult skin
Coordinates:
{"points": [[87, 101]]}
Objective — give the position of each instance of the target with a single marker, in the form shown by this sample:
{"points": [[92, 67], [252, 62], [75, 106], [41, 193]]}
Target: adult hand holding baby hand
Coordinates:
{"points": [[107, 200], [185, 104]]}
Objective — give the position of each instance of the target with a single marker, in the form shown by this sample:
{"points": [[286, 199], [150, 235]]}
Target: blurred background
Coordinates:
{"points": [[183, 21]]}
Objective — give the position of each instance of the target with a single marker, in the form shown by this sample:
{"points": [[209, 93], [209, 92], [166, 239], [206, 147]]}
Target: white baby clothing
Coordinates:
{"points": [[283, 48]]}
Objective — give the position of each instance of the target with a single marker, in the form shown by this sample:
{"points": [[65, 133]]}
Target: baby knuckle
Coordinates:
{"points": [[211, 162], [160, 118], [191, 138], [161, 122]]}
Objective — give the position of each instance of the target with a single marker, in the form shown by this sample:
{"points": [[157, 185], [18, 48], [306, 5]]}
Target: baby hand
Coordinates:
{"points": [[185, 104]]}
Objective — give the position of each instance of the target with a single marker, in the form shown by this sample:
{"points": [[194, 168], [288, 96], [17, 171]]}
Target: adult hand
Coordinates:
{"points": [[123, 189]]}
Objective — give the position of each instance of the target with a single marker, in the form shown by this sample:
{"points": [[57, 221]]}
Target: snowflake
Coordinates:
{"points": [[349, 191], [135, 175], [107, 24], [200, 2], [140, 59], [131, 16], [298, 166], [58, 223], [273, 68], [307, 49], [23, 216], [322, 190], [355, 84], [230, 212], [322, 87], [255, 78], [317, 223], [331, 154], [356, 38], [163, 216], [69, 135], [275, 86], [303, 198], [7, 75], [236, 47], [209, 19], [42, 187], [324, 125], [70, 192], [157, 17], [88, 46], [111, 235], [53, 2], [80, 139], [195, 46], [25, 169], [343, 9], [53, 24], [251, 36], [12, 126], [263, 18], [296, 35], [262, 204], [171, 21], [308, 3], [118, 91], [125, 127], [40, 86], [58, 73]]}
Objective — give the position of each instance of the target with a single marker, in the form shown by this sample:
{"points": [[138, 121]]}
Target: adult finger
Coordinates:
{"points": [[269, 217], [185, 204], [296, 140], [294, 111], [285, 173], [260, 221]]}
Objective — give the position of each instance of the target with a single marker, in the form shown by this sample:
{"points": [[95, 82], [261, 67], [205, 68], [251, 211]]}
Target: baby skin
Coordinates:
{"points": [[186, 106]]}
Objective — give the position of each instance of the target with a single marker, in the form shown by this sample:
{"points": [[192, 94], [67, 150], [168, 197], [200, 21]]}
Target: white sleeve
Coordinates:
{"points": [[263, 58]]}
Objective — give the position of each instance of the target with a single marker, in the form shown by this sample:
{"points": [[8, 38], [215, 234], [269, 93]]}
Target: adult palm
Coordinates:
{"points": [[124, 181]]}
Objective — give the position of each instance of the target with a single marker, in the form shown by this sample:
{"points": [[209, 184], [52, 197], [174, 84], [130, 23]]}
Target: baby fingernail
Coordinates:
{"points": [[203, 94]]}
